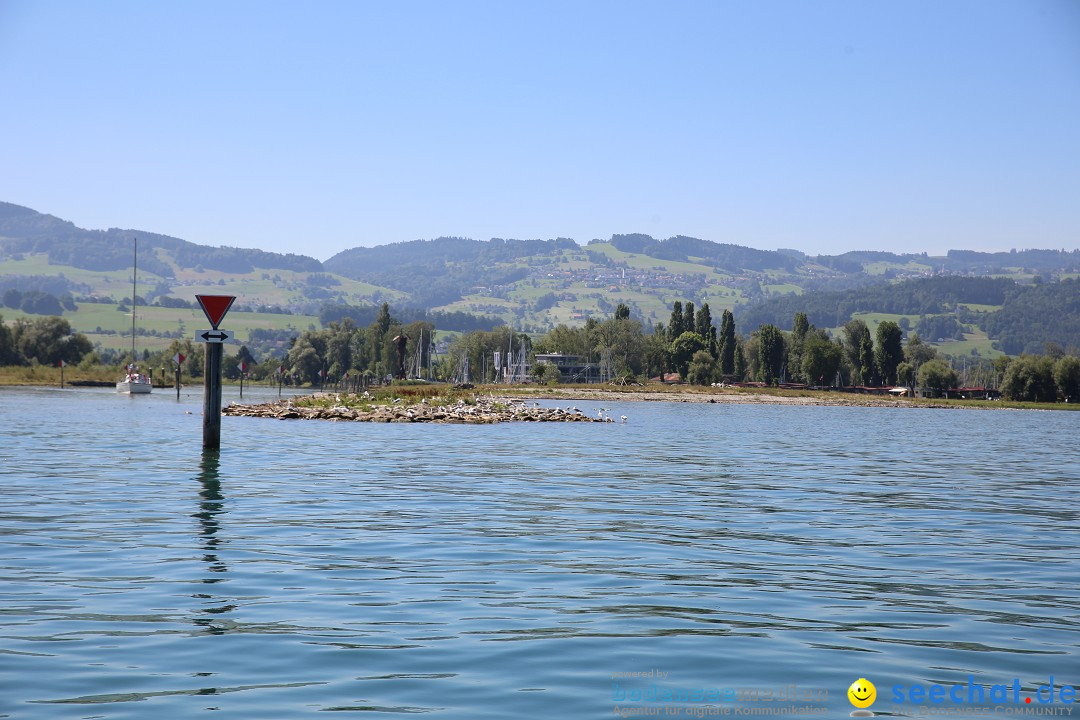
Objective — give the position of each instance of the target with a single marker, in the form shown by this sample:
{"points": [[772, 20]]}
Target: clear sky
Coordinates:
{"points": [[313, 127]]}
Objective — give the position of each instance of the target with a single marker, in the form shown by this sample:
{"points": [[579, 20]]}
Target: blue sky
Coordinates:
{"points": [[319, 126]]}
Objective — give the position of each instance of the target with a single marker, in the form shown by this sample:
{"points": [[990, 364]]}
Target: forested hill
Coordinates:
{"points": [[1036, 314], [439, 271], [23, 230], [720, 255], [923, 296], [982, 301], [1018, 317]]}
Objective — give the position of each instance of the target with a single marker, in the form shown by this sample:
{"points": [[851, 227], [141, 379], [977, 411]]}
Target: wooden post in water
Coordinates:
{"points": [[61, 364]]}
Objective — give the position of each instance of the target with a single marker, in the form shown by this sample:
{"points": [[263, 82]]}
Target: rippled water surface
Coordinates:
{"points": [[510, 570]]}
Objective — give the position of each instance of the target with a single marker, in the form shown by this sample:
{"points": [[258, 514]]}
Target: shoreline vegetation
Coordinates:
{"points": [[42, 376], [507, 403]]}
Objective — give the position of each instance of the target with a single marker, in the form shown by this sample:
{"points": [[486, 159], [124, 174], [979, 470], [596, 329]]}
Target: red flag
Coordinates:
{"points": [[61, 364]]}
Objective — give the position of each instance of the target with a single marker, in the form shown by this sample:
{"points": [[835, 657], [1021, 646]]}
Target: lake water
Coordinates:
{"points": [[524, 570]]}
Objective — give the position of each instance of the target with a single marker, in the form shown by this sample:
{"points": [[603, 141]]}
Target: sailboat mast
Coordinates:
{"points": [[134, 277]]}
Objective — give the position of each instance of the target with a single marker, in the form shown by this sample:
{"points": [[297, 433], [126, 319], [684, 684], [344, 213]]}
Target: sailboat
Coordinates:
{"points": [[134, 382]]}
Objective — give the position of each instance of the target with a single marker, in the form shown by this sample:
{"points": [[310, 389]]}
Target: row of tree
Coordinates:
{"points": [[620, 347]]}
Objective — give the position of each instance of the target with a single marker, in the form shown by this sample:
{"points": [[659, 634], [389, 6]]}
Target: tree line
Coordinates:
{"points": [[1030, 315], [691, 344]]}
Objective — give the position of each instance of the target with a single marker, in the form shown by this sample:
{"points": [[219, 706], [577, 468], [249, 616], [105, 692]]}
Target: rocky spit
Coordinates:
{"points": [[484, 411]]}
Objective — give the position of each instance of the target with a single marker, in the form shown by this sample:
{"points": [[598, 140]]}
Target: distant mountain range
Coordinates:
{"points": [[530, 284]]}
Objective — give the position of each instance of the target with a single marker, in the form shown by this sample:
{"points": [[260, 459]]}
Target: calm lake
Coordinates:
{"points": [[527, 570]]}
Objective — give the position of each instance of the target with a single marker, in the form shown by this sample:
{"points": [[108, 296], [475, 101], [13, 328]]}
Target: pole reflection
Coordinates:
{"points": [[211, 505]]}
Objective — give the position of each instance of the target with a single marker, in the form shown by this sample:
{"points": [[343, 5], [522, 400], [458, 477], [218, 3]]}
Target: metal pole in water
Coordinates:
{"points": [[212, 397]]}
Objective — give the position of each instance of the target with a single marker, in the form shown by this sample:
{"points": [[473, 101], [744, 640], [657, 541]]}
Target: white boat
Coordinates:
{"points": [[134, 383]]}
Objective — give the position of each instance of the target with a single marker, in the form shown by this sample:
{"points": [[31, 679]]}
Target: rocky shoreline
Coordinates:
{"points": [[482, 411]]}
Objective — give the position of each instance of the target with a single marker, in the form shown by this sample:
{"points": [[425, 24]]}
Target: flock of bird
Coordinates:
{"points": [[460, 407]]}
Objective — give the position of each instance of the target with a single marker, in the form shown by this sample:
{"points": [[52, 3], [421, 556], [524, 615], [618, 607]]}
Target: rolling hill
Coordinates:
{"points": [[533, 285]]}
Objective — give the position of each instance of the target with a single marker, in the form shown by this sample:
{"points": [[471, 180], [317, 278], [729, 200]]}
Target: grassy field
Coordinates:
{"points": [[107, 326], [880, 268], [976, 340], [259, 287], [976, 307]]}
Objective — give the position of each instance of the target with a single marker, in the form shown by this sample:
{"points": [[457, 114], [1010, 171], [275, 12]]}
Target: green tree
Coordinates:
{"points": [[916, 352], [339, 347], [676, 326], [683, 349], [905, 373], [622, 312], [739, 367], [1067, 377], [770, 353], [304, 359], [625, 338], [703, 325], [702, 368], [821, 358], [546, 373], [889, 351], [800, 327], [657, 353], [1031, 378], [9, 354], [383, 321], [49, 340], [867, 372], [232, 369], [937, 375], [727, 343], [194, 357], [859, 348]]}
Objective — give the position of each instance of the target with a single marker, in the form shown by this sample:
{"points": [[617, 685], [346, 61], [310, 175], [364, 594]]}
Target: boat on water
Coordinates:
{"points": [[135, 382]]}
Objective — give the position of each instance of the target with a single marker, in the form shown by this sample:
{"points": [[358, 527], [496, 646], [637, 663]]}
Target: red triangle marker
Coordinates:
{"points": [[215, 307]]}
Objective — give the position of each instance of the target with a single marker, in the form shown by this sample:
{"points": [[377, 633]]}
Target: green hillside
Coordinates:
{"points": [[959, 299]]}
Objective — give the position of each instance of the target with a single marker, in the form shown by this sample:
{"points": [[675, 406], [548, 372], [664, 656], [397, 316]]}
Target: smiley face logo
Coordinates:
{"points": [[862, 693]]}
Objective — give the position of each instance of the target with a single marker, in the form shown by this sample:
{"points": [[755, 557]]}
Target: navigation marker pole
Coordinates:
{"points": [[214, 307], [178, 358], [62, 365]]}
